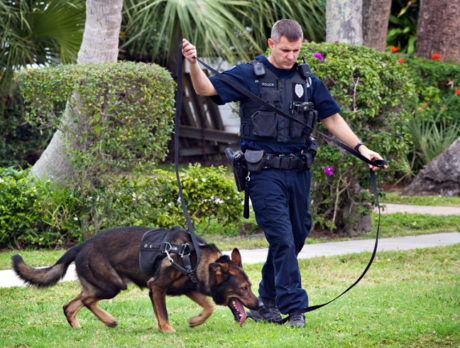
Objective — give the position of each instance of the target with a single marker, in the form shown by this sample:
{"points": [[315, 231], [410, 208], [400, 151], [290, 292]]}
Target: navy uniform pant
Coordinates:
{"points": [[281, 202]]}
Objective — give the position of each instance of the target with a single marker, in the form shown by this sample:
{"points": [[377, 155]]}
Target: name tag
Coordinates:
{"points": [[268, 84]]}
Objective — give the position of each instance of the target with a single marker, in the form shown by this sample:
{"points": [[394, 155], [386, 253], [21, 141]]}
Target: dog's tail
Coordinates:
{"points": [[47, 276]]}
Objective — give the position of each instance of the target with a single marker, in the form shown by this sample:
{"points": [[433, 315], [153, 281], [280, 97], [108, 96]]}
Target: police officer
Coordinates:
{"points": [[280, 194]]}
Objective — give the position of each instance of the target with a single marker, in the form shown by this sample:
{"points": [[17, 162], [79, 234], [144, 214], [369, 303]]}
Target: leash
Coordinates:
{"points": [[189, 269], [377, 163]]}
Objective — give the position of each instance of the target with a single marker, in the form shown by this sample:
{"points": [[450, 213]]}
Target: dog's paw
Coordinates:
{"points": [[195, 321], [167, 328]]}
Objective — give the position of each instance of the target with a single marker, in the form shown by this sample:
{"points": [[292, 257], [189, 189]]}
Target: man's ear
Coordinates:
{"points": [[271, 43], [236, 257]]}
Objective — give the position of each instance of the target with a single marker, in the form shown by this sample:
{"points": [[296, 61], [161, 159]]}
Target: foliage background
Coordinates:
{"points": [[373, 90]]}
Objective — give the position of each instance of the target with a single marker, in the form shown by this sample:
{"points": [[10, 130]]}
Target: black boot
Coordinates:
{"points": [[296, 319], [268, 312]]}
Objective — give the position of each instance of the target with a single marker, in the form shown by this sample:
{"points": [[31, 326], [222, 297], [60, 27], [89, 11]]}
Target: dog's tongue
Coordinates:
{"points": [[238, 311], [243, 318]]}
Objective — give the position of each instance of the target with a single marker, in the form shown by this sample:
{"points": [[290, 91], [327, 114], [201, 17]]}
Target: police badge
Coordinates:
{"points": [[298, 89]]}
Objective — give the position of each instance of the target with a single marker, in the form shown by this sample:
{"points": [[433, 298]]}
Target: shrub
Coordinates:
{"points": [[36, 213], [118, 116], [21, 143], [40, 213], [374, 91], [154, 200], [435, 123]]}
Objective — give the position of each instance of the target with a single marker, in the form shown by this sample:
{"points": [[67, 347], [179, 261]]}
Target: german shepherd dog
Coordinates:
{"points": [[107, 262]]}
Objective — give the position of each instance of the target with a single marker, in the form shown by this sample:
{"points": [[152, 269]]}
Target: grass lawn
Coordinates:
{"points": [[407, 299]]}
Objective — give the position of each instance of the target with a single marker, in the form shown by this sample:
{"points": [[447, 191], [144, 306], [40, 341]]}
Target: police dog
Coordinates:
{"points": [[107, 262]]}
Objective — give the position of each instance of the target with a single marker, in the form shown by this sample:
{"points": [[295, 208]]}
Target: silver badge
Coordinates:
{"points": [[298, 89]]}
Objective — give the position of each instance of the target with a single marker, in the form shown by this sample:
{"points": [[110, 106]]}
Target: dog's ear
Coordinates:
{"points": [[236, 257], [218, 272]]}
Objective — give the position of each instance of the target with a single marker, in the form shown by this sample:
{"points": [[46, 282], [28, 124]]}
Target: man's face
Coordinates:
{"points": [[284, 52]]}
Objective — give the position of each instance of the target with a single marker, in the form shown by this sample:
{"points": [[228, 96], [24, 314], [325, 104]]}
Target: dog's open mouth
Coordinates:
{"points": [[238, 311]]}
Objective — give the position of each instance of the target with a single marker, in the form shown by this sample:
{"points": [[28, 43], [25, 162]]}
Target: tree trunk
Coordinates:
{"points": [[438, 29], [440, 177], [376, 15], [344, 21], [99, 45]]}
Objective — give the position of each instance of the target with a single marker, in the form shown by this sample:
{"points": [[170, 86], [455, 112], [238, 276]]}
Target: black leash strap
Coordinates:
{"points": [[189, 267], [374, 252], [378, 163]]}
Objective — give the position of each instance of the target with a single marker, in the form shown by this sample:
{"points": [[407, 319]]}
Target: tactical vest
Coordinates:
{"points": [[289, 95]]}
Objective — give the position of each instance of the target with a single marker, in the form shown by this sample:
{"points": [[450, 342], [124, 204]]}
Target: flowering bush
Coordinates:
{"points": [[375, 92], [154, 200]]}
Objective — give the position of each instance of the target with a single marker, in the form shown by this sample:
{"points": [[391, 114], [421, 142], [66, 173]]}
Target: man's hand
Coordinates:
{"points": [[189, 51], [371, 155]]}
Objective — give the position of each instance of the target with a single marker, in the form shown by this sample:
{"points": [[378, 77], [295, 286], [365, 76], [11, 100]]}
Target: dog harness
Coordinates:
{"points": [[155, 246]]}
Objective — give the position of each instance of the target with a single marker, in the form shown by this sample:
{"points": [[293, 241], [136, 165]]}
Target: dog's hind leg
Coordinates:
{"points": [[106, 318], [71, 309], [158, 297], [208, 308]]}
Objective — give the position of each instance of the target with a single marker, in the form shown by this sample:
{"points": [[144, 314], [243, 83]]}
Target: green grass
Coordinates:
{"points": [[396, 197], [407, 299]]}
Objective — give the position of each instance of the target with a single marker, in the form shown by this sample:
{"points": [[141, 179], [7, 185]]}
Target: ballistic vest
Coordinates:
{"points": [[291, 96]]}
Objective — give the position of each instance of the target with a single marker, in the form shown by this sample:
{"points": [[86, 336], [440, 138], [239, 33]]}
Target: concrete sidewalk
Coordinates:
{"points": [[8, 278], [388, 208]]}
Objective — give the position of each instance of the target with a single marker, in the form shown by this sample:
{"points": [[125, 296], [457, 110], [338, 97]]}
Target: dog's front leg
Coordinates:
{"points": [[158, 298], [208, 308]]}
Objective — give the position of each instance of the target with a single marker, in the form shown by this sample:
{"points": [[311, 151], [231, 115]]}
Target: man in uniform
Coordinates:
{"points": [[280, 194]]}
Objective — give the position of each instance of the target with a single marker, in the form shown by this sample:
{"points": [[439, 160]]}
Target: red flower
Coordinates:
{"points": [[394, 49], [435, 56], [401, 60], [457, 91]]}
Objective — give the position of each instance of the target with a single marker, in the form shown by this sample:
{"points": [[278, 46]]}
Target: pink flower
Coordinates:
{"points": [[329, 170], [318, 55]]}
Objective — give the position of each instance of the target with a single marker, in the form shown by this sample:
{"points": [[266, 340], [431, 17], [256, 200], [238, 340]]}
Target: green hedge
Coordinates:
{"points": [[376, 94], [36, 213], [124, 111]]}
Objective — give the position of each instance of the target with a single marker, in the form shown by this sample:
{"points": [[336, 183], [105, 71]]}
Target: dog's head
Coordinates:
{"points": [[230, 286]]}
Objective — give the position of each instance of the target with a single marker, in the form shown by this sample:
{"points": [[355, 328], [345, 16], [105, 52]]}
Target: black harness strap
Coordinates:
{"points": [[378, 163]]}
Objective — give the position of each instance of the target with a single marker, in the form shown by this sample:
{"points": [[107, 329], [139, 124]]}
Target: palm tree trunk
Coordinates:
{"points": [[376, 14], [438, 29], [344, 21], [99, 45]]}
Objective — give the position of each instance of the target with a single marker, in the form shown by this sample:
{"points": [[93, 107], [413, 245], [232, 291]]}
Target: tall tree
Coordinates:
{"points": [[99, 45], [376, 14], [438, 29], [358, 22], [38, 32], [344, 21]]}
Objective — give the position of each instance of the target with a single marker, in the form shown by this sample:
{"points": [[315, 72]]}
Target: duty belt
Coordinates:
{"points": [[285, 162]]}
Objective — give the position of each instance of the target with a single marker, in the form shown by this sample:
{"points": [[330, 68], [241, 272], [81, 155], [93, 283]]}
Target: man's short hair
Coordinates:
{"points": [[288, 28]]}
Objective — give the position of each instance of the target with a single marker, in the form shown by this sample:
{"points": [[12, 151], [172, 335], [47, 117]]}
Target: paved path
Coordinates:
{"points": [[419, 209], [8, 278]]}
